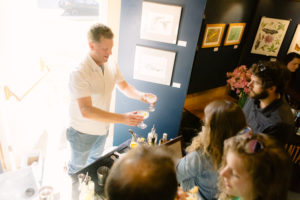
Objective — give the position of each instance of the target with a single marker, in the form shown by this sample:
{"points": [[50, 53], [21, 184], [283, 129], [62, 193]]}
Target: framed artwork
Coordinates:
{"points": [[153, 65], [234, 33], [160, 22], [269, 36], [295, 44], [213, 35]]}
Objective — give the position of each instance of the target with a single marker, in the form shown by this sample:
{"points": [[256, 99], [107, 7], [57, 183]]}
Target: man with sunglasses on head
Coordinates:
{"points": [[266, 109]]}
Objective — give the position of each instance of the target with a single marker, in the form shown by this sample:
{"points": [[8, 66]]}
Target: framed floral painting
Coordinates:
{"points": [[213, 35], [295, 44], [269, 36], [234, 33]]}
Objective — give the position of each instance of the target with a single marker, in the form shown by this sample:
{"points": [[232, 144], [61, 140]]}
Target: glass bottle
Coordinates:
{"points": [[87, 190], [152, 137], [164, 139], [133, 142]]}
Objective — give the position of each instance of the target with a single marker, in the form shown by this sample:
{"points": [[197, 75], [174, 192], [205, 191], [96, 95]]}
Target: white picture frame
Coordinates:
{"points": [[269, 36], [160, 22], [153, 65], [295, 44]]}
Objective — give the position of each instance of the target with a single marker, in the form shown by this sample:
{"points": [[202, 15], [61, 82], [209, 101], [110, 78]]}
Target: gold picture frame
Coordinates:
{"points": [[234, 33], [213, 35]]}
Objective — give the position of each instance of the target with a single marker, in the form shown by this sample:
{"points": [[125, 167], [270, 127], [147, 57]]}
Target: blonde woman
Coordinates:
{"points": [[254, 167], [223, 119]]}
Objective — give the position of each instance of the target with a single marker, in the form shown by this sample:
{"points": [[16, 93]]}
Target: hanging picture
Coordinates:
{"points": [[295, 44], [160, 22], [153, 65], [234, 33], [269, 36], [213, 35]]}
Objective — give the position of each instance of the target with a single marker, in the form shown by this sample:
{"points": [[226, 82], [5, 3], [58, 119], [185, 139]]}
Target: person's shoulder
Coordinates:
{"points": [[248, 104], [203, 157], [84, 66], [284, 106], [112, 66], [280, 113], [111, 63], [194, 160], [285, 112], [194, 156]]}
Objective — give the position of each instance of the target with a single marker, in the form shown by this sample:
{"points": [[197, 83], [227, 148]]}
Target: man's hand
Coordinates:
{"points": [[181, 194], [149, 98], [132, 118]]}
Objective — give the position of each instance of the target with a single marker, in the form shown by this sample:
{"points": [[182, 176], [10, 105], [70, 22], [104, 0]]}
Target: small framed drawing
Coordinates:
{"points": [[295, 44], [234, 33], [160, 22], [153, 65], [269, 36], [213, 35]]}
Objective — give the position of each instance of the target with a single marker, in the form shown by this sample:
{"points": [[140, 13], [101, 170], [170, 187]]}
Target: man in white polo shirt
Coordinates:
{"points": [[91, 85]]}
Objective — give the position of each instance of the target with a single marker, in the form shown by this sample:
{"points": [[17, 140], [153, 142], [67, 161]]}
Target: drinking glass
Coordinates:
{"points": [[46, 193], [102, 173], [144, 114], [151, 99]]}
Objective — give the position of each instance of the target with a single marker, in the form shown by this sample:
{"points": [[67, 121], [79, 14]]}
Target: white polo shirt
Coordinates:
{"points": [[88, 80]]}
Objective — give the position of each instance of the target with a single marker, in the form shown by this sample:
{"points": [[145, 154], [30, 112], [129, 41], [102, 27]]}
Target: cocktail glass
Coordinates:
{"points": [[151, 99], [144, 114]]}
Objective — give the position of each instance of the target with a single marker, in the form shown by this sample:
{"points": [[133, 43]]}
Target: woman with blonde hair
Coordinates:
{"points": [[222, 119], [254, 167]]}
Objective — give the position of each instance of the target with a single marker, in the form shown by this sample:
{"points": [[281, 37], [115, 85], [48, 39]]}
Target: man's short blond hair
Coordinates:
{"points": [[97, 31]]}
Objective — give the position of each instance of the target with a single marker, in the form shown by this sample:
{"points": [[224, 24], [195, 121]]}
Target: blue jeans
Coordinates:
{"points": [[85, 149]]}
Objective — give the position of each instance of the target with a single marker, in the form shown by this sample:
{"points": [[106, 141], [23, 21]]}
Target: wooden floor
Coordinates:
{"points": [[196, 102]]}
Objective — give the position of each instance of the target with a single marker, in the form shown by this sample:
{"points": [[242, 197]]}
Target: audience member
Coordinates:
{"points": [[292, 61], [266, 109], [254, 167], [144, 173], [223, 119]]}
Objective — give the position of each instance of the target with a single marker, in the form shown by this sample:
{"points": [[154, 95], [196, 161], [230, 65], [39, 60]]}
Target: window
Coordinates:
{"points": [[41, 41]]}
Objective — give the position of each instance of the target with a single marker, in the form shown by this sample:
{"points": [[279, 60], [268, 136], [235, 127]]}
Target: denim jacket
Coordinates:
{"points": [[196, 169]]}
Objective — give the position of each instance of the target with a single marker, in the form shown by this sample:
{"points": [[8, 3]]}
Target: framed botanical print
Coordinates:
{"points": [[295, 44], [234, 33], [213, 35], [269, 36]]}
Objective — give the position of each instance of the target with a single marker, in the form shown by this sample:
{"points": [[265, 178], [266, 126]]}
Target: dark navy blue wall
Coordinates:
{"points": [[170, 103], [209, 69]]}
